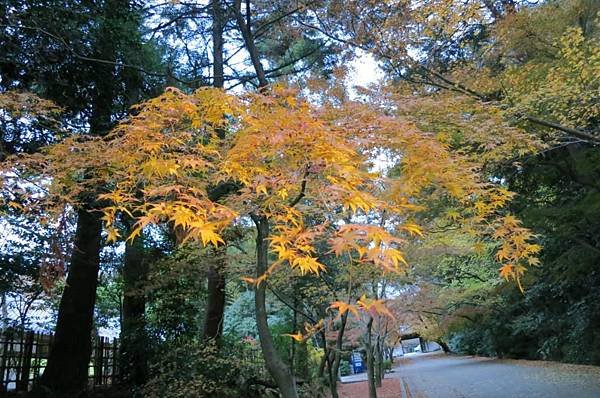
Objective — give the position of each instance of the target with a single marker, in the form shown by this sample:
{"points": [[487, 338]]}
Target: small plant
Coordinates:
{"points": [[387, 365], [344, 368]]}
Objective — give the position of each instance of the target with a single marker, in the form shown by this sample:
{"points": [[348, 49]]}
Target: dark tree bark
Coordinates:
{"points": [[246, 29], [67, 368], [217, 39], [134, 341], [215, 306], [277, 368], [379, 371], [444, 346], [335, 366], [370, 360]]}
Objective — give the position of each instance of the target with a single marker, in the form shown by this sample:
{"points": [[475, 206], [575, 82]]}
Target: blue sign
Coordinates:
{"points": [[357, 363]]}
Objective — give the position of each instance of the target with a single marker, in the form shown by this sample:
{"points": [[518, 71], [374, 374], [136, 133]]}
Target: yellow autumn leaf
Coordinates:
{"points": [[297, 336], [112, 234]]}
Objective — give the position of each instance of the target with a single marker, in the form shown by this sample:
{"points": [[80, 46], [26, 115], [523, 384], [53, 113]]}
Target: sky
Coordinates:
{"points": [[366, 70]]}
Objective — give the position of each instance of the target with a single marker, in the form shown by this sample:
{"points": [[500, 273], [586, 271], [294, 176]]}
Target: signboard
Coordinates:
{"points": [[357, 362]]}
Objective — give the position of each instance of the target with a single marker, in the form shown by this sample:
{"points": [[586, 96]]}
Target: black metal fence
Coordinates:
{"points": [[23, 356]]}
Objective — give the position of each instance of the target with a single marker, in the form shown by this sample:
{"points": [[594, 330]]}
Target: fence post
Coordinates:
{"points": [[3, 386], [115, 361], [26, 353], [99, 362]]}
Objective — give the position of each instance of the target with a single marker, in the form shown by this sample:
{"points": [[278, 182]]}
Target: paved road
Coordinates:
{"points": [[440, 376]]}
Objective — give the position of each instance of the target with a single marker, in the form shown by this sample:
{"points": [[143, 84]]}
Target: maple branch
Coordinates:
{"points": [[287, 304], [471, 275], [456, 86], [221, 190], [438, 314], [301, 194], [574, 132]]}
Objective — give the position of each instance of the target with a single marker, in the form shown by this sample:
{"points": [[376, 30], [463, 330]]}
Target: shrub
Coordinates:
{"points": [[192, 369], [344, 367]]}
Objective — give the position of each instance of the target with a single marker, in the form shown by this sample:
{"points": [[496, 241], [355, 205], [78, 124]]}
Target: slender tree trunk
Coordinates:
{"points": [[301, 368], [134, 341], [4, 321], [323, 363], [379, 372], [217, 39], [370, 361], [67, 368], [292, 360], [245, 27], [215, 306], [338, 355], [277, 368], [444, 346]]}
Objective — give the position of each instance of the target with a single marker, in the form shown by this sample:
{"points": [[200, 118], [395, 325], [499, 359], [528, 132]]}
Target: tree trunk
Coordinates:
{"points": [[276, 367], [338, 355], [134, 341], [217, 39], [215, 307], [370, 361], [379, 371], [67, 368], [4, 321], [245, 27], [323, 363], [444, 346]]}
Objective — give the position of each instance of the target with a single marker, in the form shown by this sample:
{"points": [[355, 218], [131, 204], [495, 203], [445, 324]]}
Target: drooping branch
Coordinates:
{"points": [[448, 84], [571, 131]]}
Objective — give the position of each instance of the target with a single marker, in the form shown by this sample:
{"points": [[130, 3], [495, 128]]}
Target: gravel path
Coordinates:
{"points": [[440, 376]]}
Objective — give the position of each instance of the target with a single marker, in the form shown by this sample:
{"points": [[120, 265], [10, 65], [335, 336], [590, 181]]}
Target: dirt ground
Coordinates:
{"points": [[390, 388]]}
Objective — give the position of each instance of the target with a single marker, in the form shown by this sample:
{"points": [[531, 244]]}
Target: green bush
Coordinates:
{"points": [[387, 365], [190, 369], [344, 368]]}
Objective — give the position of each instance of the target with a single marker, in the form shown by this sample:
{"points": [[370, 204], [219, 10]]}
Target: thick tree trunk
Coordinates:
{"points": [[67, 368], [276, 367], [134, 341], [370, 361]]}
